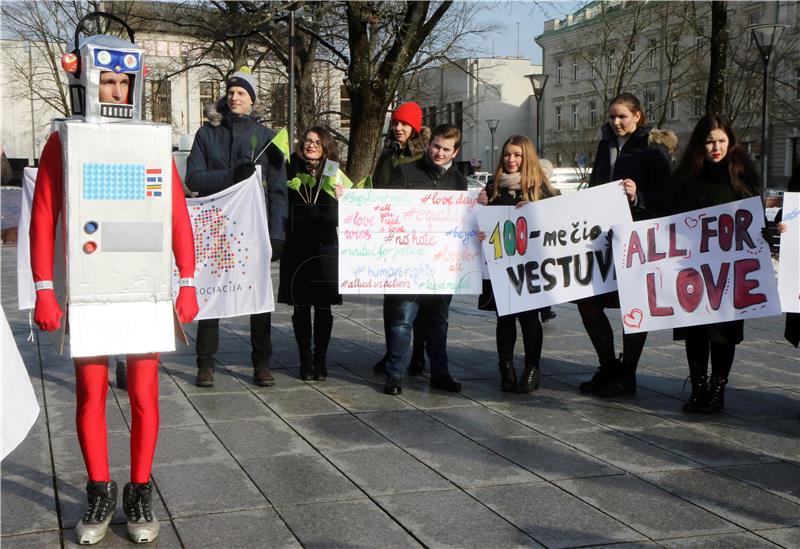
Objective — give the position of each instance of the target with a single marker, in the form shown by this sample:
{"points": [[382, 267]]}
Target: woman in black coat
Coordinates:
{"points": [[309, 266], [519, 179], [714, 170], [639, 156]]}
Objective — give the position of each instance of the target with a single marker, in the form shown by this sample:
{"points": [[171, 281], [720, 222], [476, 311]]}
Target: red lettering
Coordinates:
{"points": [[655, 310], [725, 232], [706, 232], [635, 247], [689, 286], [652, 254], [743, 220], [715, 289], [674, 251], [742, 286]]}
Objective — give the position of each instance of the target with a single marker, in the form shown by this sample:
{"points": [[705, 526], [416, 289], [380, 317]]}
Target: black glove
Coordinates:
{"points": [[243, 171], [277, 249]]}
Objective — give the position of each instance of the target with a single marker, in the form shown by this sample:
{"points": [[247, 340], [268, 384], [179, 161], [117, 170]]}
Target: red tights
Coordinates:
{"points": [[91, 374]]}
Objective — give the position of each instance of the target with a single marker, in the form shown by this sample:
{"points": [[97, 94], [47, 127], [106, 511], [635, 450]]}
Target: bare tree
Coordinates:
{"points": [[715, 96]]}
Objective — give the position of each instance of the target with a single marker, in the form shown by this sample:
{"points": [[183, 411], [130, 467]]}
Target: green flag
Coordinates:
{"points": [[281, 140], [329, 183]]}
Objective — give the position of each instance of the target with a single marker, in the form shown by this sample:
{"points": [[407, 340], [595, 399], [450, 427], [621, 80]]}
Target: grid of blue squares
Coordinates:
{"points": [[106, 181]]}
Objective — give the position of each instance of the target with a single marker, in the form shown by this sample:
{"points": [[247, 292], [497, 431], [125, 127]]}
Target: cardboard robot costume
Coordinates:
{"points": [[112, 178]]}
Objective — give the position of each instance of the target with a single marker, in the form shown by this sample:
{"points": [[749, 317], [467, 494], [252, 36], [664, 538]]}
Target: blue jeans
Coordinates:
{"points": [[399, 314]]}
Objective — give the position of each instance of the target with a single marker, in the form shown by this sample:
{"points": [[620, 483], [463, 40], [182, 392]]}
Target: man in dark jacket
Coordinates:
{"points": [[223, 154], [435, 170]]}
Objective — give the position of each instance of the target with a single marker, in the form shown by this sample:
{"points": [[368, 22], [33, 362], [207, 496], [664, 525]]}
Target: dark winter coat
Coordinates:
{"points": [[310, 263], [423, 174], [506, 197], [223, 143], [394, 155], [644, 158], [711, 187]]}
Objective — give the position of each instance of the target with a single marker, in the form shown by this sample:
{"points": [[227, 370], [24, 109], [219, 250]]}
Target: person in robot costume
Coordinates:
{"points": [[103, 93]]}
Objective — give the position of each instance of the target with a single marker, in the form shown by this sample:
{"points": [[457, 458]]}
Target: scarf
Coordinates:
{"points": [[312, 166], [510, 181]]}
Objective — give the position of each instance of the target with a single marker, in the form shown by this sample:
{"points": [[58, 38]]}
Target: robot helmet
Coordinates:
{"points": [[90, 57]]}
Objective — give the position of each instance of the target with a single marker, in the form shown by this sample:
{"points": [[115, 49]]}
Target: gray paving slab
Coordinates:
{"points": [[453, 519], [67, 456], [479, 423], [742, 504], [744, 540], [216, 408], [553, 517], [211, 487], [337, 432], [28, 504], [174, 411], [37, 540], [360, 522], [755, 437], [555, 421], [303, 401], [411, 428], [363, 398], [260, 438], [189, 445], [255, 528], [293, 479], [779, 478], [384, 470], [784, 537], [645, 508], [62, 419]]}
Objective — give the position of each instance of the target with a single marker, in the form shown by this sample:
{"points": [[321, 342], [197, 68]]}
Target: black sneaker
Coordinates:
{"points": [[136, 501], [393, 386], [102, 498]]}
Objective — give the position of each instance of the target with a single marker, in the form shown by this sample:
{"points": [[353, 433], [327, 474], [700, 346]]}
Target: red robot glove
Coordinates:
{"points": [[47, 313], [186, 304]]}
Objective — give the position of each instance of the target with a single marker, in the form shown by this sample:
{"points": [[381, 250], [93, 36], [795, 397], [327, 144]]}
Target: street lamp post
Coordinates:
{"points": [[538, 82], [492, 123], [766, 38]]}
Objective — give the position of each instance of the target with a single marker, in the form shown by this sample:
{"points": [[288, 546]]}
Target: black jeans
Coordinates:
{"points": [[260, 339]]}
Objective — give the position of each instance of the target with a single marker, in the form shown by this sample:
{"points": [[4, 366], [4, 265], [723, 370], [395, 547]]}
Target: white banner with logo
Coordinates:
{"points": [[408, 242], [554, 250], [789, 267], [699, 267], [232, 252]]}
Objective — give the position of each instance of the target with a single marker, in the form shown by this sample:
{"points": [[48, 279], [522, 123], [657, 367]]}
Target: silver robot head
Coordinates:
{"points": [[95, 55]]}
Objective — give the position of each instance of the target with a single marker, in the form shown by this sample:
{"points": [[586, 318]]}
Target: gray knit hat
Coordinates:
{"points": [[244, 79]]}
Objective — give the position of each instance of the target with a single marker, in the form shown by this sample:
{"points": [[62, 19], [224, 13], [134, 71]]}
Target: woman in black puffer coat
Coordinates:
{"points": [[640, 157], [714, 170], [309, 266]]}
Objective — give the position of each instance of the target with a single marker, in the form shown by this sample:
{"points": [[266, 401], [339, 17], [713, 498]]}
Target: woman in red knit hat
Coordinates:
{"points": [[405, 142]]}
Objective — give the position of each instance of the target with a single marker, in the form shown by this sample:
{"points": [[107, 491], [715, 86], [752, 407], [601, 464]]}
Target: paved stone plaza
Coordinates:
{"points": [[339, 464]]}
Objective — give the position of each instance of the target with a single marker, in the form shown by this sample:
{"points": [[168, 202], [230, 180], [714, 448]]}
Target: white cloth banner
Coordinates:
{"points": [[232, 252], [26, 292], [789, 266], [699, 267], [19, 405], [554, 250], [408, 242]]}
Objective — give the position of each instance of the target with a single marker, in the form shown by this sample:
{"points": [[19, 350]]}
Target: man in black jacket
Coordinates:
{"points": [[222, 155], [435, 170]]}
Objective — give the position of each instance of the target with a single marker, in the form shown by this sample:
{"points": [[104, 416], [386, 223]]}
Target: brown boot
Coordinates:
{"points": [[263, 377]]}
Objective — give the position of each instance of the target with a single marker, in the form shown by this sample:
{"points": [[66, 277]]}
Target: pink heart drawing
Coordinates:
{"points": [[691, 222], [633, 319]]}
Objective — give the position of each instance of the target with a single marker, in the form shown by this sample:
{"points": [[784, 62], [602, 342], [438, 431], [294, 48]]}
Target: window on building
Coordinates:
{"points": [[161, 101], [209, 93], [344, 108], [632, 56], [652, 54], [574, 68], [593, 114], [611, 67], [595, 70], [558, 118], [697, 103], [650, 102], [575, 117], [558, 160], [430, 116], [458, 115], [448, 113], [558, 72], [672, 108]]}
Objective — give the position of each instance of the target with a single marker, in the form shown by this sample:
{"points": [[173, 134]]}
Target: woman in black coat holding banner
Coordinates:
{"points": [[714, 170], [518, 179], [639, 156], [309, 267]]}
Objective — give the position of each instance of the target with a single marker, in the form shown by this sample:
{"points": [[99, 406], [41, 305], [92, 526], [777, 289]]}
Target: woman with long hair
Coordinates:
{"points": [[309, 266], [518, 180], [715, 169], [639, 156]]}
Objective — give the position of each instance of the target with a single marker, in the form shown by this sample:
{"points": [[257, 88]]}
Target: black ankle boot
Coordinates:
{"points": [[699, 388], [605, 372], [529, 380], [302, 334], [508, 377], [714, 401], [320, 367]]}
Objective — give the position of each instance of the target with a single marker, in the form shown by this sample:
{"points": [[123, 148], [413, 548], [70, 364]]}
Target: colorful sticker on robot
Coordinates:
{"points": [[700, 267], [153, 182], [789, 266], [232, 252], [113, 181], [552, 251]]}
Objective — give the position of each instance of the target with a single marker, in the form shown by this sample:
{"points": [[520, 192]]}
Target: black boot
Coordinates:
{"points": [[323, 325], [102, 498], [714, 401], [622, 383], [508, 377], [699, 379], [301, 322], [137, 502], [604, 373], [529, 381]]}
